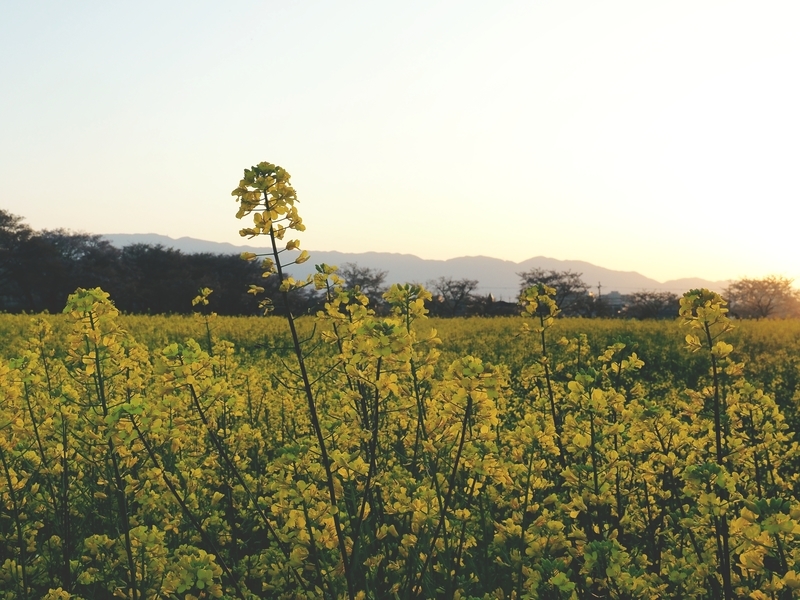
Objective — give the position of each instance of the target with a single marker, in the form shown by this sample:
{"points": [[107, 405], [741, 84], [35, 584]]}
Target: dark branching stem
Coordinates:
{"points": [[457, 563], [314, 417], [37, 437], [372, 450], [122, 500], [15, 507], [447, 498], [421, 433], [722, 521], [551, 396], [66, 545], [314, 551], [525, 519], [188, 513], [223, 453]]}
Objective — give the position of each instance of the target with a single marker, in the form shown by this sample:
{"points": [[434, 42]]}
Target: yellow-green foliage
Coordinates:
{"points": [[557, 476]]}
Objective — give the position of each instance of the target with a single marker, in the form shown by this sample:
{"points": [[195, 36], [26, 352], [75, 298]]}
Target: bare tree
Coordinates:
{"points": [[572, 293], [772, 296], [371, 282], [454, 295], [651, 305]]}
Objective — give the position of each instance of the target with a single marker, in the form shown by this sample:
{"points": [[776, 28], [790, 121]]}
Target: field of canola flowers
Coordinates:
{"points": [[350, 455]]}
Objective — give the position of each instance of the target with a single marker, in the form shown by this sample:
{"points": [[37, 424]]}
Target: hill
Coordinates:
{"points": [[496, 276]]}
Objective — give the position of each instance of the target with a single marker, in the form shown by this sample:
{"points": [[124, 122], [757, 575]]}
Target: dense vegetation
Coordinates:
{"points": [[63, 499], [39, 269], [354, 455]]}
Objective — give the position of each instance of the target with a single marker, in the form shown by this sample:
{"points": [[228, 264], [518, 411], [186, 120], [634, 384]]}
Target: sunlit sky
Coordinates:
{"points": [[659, 137]]}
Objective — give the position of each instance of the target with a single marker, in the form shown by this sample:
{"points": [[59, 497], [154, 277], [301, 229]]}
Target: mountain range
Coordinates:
{"points": [[495, 276]]}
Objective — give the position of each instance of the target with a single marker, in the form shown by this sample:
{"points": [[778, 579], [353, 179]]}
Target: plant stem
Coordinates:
{"points": [[315, 422]]}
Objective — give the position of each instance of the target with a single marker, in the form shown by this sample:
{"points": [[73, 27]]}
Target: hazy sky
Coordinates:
{"points": [[660, 137]]}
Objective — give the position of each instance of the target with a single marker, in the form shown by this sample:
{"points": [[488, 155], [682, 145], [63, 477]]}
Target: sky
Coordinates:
{"points": [[658, 137]]}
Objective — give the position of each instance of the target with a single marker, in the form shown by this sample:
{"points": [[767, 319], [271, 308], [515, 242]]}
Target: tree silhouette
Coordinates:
{"points": [[371, 282], [572, 293], [651, 305], [772, 296], [453, 296]]}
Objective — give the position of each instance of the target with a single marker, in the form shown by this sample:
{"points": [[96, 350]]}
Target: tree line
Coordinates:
{"points": [[39, 269], [572, 295], [770, 297]]}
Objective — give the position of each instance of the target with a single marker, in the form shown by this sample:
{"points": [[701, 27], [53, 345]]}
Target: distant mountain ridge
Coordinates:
{"points": [[496, 276]]}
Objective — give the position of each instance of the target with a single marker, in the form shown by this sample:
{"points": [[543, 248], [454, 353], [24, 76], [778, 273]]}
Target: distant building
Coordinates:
{"points": [[615, 302]]}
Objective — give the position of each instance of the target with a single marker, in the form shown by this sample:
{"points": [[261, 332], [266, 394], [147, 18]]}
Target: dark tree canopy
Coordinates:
{"points": [[39, 269], [651, 305]]}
